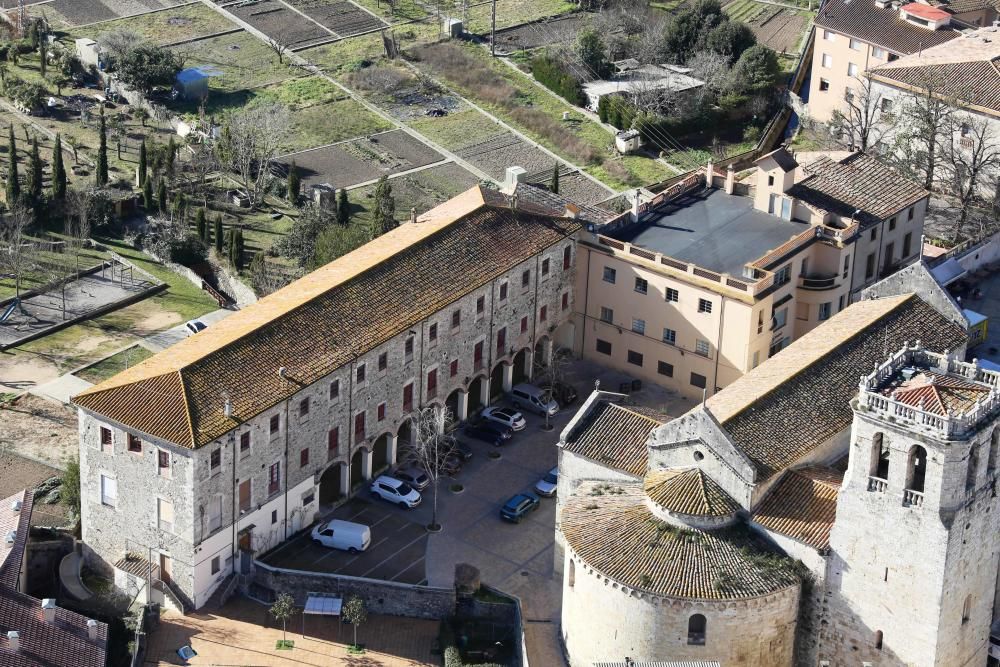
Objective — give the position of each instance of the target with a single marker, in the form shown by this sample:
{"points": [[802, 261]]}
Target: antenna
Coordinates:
{"points": [[227, 406]]}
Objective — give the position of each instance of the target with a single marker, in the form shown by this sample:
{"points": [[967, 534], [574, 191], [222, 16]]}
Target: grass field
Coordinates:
{"points": [[239, 60], [514, 12], [457, 129], [394, 12], [348, 55], [115, 364], [164, 27]]}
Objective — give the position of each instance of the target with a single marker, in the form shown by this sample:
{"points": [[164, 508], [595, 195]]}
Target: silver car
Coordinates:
{"points": [[547, 485], [413, 476]]}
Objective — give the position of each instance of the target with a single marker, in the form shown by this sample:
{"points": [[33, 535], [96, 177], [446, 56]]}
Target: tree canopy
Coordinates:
{"points": [[145, 67]]}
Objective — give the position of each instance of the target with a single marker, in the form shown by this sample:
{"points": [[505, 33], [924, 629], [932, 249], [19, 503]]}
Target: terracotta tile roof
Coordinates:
{"points": [[320, 322], [782, 157], [61, 644], [937, 393], [858, 182], [549, 203], [614, 436], [925, 11], [612, 530], [802, 505], [688, 491], [19, 523], [865, 20], [797, 400]]}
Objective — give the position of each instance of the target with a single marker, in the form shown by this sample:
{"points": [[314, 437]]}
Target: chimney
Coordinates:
{"points": [[413, 214], [49, 610], [730, 180], [91, 629], [14, 640], [15, 506], [512, 177], [709, 174], [635, 205], [513, 202], [282, 372], [572, 211]]}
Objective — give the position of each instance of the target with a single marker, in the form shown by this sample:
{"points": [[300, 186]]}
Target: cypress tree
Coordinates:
{"points": [[147, 195], [201, 225], [35, 173], [142, 163], [554, 186], [171, 154], [13, 186], [294, 183], [343, 208], [218, 235], [239, 249], [102, 154], [42, 60], [58, 171], [161, 195], [178, 205]]}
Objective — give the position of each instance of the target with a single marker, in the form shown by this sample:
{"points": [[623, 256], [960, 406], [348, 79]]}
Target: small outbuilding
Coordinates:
{"points": [[192, 83]]}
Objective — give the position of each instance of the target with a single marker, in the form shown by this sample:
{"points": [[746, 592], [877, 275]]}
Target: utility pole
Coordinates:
{"points": [[493, 29]]}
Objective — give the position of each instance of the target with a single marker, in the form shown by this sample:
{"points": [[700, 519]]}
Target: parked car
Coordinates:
{"points": [[395, 491], [413, 476], [530, 397], [494, 434], [194, 326], [343, 535], [564, 393], [517, 507], [450, 464], [546, 486], [508, 417], [463, 449]]}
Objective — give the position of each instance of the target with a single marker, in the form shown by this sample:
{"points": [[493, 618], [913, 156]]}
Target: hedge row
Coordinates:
{"points": [[550, 73]]}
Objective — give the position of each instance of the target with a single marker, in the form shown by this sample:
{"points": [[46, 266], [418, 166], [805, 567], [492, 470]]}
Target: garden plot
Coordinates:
{"points": [[343, 18], [513, 12], [548, 32], [237, 61], [403, 95], [422, 190], [779, 28], [363, 159], [165, 27], [281, 24], [572, 184], [81, 12], [505, 150]]}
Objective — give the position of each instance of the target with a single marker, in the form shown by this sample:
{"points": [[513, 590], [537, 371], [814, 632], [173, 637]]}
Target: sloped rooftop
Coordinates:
{"points": [[802, 505], [688, 491], [881, 26], [615, 436]]}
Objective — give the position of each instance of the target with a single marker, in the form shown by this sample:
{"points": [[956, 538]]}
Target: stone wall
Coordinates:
{"points": [[381, 597], [917, 279]]}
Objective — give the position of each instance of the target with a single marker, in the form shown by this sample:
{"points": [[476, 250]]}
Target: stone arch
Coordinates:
{"points": [[451, 403], [879, 465], [404, 432], [522, 373], [538, 358], [476, 392], [331, 487], [357, 467], [991, 463], [380, 453], [878, 640], [697, 629], [496, 380], [916, 468]]}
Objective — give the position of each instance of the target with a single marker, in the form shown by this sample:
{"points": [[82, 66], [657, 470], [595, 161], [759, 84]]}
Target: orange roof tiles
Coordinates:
{"points": [[803, 505], [688, 491], [614, 436]]}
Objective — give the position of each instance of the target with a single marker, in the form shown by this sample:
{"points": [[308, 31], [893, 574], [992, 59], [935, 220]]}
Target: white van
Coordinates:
{"points": [[530, 397], [343, 535]]}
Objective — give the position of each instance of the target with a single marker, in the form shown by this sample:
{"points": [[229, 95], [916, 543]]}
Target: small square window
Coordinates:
{"points": [[304, 407], [565, 301], [432, 332], [304, 458], [824, 311], [524, 324], [878, 52], [607, 315], [543, 314], [134, 444], [824, 85], [335, 390], [163, 463], [698, 380], [704, 306], [545, 267], [361, 373], [106, 442], [610, 275], [216, 459], [770, 180], [274, 517], [827, 60], [855, 45], [641, 285], [702, 347], [673, 295], [852, 69], [604, 347], [275, 424], [639, 326], [665, 369], [634, 358], [380, 412], [669, 336], [828, 35], [383, 360], [215, 565]]}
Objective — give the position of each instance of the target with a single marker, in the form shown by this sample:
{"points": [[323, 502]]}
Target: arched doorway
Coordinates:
{"points": [[380, 454], [451, 405], [330, 490], [538, 358], [404, 438], [520, 373], [356, 471], [476, 394], [496, 382]]}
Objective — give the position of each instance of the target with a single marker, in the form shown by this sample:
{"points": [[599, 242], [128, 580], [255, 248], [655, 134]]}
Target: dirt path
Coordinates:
{"points": [[39, 430]]}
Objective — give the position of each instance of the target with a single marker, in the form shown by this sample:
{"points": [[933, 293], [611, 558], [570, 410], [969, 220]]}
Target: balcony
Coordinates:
{"points": [[818, 281], [912, 498], [877, 484]]}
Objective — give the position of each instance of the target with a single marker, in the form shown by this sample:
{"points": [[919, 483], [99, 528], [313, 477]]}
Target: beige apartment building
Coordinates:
{"points": [[722, 278], [854, 36]]}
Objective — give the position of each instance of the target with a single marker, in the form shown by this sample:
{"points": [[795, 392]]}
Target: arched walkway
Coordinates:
{"points": [[496, 381], [520, 363], [476, 394], [380, 454], [330, 484], [539, 358], [356, 468], [451, 405]]}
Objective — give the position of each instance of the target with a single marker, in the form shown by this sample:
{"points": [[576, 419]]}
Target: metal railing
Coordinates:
{"points": [[818, 282]]}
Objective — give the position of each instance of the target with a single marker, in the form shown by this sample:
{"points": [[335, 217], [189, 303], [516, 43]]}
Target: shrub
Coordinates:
{"points": [[550, 73]]}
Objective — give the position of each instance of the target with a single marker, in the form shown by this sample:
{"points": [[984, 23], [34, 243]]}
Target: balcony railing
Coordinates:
{"points": [[912, 498], [877, 484], [819, 281]]}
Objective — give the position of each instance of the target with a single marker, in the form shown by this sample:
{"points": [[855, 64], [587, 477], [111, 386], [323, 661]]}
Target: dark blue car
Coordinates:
{"points": [[494, 434], [517, 507]]}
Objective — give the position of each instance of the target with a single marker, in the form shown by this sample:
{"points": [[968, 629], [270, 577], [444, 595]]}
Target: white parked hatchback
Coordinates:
{"points": [[395, 491], [343, 535], [508, 417]]}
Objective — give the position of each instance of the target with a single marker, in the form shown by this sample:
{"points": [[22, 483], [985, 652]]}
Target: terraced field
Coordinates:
{"points": [[780, 28], [343, 18]]}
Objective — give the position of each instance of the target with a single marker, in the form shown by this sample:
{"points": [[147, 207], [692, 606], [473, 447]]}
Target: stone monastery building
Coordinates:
{"points": [[834, 506]]}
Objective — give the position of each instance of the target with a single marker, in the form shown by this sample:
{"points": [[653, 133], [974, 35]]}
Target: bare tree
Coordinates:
{"points": [[972, 154], [249, 144], [119, 42], [862, 123], [553, 377], [431, 447], [16, 254], [922, 121], [278, 45]]}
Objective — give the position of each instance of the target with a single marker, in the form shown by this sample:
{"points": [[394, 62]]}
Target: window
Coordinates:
{"points": [[453, 368], [524, 324], [304, 458], [698, 380], [335, 390], [432, 382], [828, 35], [840, 303], [663, 368], [873, 235], [778, 345], [870, 266], [609, 275], [779, 319], [432, 332], [909, 214], [669, 336], [702, 347], [215, 460], [480, 305], [109, 491], [891, 57], [380, 412], [639, 326], [245, 496], [543, 313], [215, 513], [525, 278], [847, 264], [970, 473], [215, 565], [966, 609], [106, 441], [852, 69], [359, 427], [274, 517], [383, 361], [571, 579], [607, 315], [408, 397], [886, 105], [274, 478], [634, 358], [244, 442], [134, 444], [783, 275], [501, 341], [878, 52], [641, 285], [704, 306], [755, 361], [163, 463], [827, 61], [165, 515], [456, 319], [770, 180], [477, 356], [407, 351], [824, 85], [304, 407], [360, 373], [308, 497], [907, 244], [333, 441], [916, 469], [697, 623], [760, 321], [567, 257], [565, 300], [545, 267], [878, 640], [854, 44], [673, 295], [604, 347], [275, 424], [824, 311]]}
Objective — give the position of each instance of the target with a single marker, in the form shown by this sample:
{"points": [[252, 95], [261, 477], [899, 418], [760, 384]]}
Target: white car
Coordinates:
{"points": [[547, 485], [509, 417], [343, 535], [194, 326], [395, 491]]}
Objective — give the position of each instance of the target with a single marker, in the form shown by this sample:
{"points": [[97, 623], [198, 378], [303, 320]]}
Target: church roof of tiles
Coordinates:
{"points": [[688, 491]]}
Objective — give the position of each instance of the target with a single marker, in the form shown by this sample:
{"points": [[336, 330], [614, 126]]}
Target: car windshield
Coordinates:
{"points": [[509, 414], [404, 489], [550, 478]]}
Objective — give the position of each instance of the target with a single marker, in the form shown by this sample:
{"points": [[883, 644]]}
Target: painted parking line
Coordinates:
{"points": [[414, 574], [394, 555]]}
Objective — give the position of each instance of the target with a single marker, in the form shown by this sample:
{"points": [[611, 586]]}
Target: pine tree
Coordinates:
{"points": [[13, 186], [58, 171], [102, 154], [35, 173], [143, 169], [554, 186], [343, 208], [147, 195], [218, 234], [161, 195], [294, 183]]}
